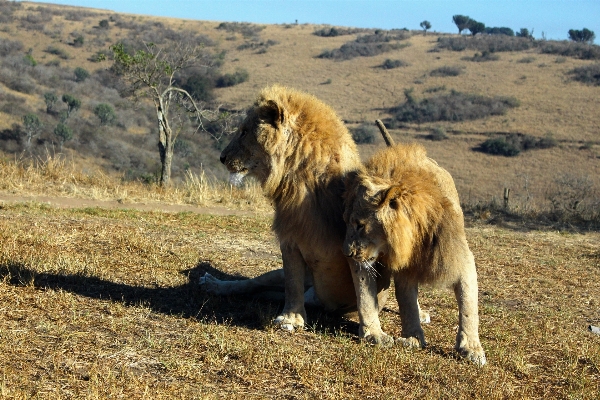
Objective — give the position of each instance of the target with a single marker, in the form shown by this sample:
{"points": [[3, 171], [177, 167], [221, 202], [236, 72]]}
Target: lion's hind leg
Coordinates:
{"points": [[270, 281], [410, 314]]}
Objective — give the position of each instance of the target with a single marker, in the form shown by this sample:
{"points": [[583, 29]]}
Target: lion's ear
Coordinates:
{"points": [[272, 113], [393, 197]]}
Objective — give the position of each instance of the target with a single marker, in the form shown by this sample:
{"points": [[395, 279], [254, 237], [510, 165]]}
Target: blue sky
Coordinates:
{"points": [[553, 17]]}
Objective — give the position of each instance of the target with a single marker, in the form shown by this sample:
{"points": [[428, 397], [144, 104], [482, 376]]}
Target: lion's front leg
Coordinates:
{"points": [[410, 314], [368, 307], [467, 338], [294, 267]]}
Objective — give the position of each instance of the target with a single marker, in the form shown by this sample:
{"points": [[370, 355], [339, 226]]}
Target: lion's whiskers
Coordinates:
{"points": [[368, 265]]}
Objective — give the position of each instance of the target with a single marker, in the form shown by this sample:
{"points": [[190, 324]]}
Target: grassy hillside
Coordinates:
{"points": [[547, 103]]}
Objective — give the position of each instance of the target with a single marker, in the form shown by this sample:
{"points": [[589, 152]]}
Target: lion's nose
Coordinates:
{"points": [[348, 250]]}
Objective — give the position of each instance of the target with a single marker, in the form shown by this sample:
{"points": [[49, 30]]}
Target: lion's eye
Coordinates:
{"points": [[360, 227]]}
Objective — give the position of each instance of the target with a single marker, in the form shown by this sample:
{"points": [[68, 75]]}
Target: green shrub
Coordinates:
{"points": [[364, 133], [490, 43], [453, 106], [260, 46], [588, 74], [81, 74], [244, 28], [78, 42], [447, 71], [106, 113], [333, 31], [483, 56], [499, 146], [437, 134], [526, 60], [239, 76], [391, 64], [565, 48], [512, 144], [368, 45], [58, 52], [29, 60]]}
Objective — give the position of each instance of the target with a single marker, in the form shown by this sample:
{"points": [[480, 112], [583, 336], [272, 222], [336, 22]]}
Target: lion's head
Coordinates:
{"points": [[290, 138], [259, 138], [390, 216]]}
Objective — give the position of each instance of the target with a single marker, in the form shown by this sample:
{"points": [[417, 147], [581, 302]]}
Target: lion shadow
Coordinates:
{"points": [[184, 301]]}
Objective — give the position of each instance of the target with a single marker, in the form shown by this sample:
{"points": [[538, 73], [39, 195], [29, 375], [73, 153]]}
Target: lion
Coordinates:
{"points": [[403, 212], [300, 152]]}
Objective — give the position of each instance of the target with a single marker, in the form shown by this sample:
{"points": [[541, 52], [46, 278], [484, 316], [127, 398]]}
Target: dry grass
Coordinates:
{"points": [[105, 304], [55, 176]]}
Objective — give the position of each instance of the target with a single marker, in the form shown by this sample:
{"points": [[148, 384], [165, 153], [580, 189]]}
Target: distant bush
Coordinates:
{"points": [[29, 60], [454, 106], [57, 52], [391, 64], [239, 76], [258, 45], [103, 24], [483, 57], [365, 133], [583, 51], [334, 31], [499, 31], [512, 144], [526, 60], [588, 74], [490, 43], [8, 47], [369, 45], [574, 198], [81, 74], [500, 147], [200, 86], [79, 15], [583, 36], [447, 71], [244, 28], [78, 41], [437, 134], [106, 113]]}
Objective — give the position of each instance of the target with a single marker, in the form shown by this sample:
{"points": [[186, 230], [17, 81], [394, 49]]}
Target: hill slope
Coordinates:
{"points": [[550, 103]]}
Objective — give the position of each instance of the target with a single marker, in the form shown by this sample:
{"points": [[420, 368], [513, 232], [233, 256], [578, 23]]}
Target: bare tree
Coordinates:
{"points": [[151, 72]]}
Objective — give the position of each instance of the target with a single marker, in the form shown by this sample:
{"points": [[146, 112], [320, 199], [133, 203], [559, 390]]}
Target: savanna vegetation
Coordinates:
{"points": [[99, 263]]}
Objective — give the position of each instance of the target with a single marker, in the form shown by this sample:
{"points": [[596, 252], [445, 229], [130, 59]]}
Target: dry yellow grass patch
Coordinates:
{"points": [[55, 176], [100, 304]]}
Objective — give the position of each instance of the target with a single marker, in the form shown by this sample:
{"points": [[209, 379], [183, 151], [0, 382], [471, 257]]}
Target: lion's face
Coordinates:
{"points": [[365, 236], [254, 148]]}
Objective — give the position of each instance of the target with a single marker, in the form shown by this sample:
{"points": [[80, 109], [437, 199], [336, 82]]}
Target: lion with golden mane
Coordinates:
{"points": [[300, 152], [403, 212]]}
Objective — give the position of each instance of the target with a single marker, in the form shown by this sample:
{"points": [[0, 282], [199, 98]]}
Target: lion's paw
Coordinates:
{"points": [[411, 342], [383, 340], [210, 284], [289, 321], [476, 356]]}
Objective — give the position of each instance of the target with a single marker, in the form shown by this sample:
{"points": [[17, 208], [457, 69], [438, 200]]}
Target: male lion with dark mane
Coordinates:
{"points": [[402, 212], [300, 152]]}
